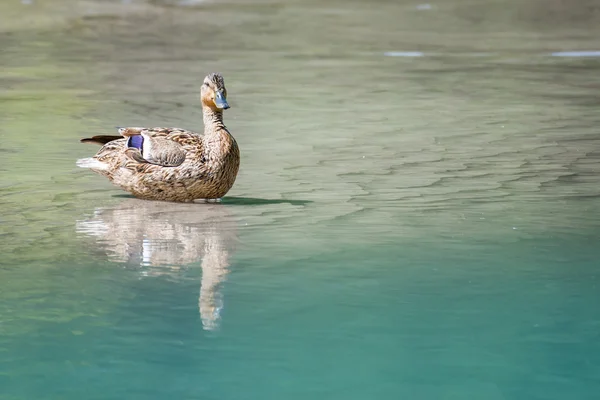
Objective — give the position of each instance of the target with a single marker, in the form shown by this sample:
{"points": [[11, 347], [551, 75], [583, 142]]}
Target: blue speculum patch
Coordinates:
{"points": [[135, 141]]}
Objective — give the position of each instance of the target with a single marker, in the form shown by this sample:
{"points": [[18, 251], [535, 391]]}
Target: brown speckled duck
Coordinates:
{"points": [[173, 164]]}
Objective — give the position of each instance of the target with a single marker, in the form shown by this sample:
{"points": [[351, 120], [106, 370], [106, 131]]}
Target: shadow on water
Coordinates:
{"points": [[253, 201], [244, 201], [162, 239]]}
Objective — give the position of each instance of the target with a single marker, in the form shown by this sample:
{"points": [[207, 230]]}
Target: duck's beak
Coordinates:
{"points": [[220, 101]]}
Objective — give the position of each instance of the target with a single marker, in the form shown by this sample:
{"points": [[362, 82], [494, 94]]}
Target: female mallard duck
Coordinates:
{"points": [[172, 164]]}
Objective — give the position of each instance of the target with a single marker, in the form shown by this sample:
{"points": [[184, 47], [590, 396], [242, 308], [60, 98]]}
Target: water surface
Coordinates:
{"points": [[416, 214]]}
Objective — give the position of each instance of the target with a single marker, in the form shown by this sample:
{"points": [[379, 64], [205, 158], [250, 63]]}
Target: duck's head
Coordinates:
{"points": [[213, 92]]}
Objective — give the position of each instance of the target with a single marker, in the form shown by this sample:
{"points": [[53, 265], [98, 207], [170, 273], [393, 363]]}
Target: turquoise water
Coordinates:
{"points": [[416, 214], [499, 321]]}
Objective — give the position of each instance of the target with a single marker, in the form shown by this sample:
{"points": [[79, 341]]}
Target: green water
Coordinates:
{"points": [[416, 214]]}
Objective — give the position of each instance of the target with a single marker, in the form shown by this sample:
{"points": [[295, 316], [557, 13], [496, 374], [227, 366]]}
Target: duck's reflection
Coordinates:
{"points": [[162, 238]]}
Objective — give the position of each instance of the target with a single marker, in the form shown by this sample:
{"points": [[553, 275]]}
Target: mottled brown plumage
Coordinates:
{"points": [[173, 164]]}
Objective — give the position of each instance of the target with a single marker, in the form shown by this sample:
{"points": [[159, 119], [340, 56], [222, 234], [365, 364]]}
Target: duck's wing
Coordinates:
{"points": [[166, 147], [157, 151]]}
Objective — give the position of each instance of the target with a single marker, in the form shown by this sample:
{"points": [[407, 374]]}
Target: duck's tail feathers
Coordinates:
{"points": [[91, 163], [101, 139]]}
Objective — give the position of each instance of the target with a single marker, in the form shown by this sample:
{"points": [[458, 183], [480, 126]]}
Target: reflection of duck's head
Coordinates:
{"points": [[163, 237]]}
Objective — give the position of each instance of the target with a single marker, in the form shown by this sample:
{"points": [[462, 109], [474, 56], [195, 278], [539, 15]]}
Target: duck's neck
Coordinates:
{"points": [[217, 140], [213, 120]]}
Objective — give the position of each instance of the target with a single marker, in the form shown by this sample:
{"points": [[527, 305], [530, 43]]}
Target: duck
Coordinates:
{"points": [[172, 164]]}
